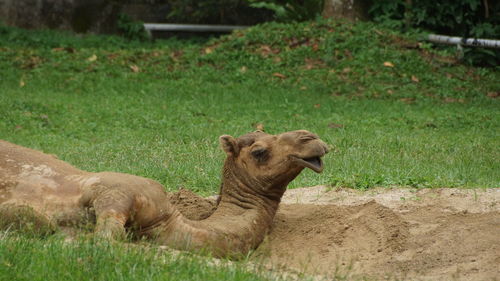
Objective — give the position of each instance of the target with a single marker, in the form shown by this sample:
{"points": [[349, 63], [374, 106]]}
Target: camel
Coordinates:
{"points": [[42, 192]]}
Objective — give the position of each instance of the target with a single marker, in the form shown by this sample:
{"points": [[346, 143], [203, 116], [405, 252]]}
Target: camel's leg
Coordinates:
{"points": [[112, 209], [24, 218]]}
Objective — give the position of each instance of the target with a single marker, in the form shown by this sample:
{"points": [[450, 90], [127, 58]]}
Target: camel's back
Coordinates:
{"points": [[15, 159], [30, 175]]}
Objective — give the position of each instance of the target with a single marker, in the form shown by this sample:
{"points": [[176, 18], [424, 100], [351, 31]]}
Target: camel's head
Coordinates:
{"points": [[274, 160]]}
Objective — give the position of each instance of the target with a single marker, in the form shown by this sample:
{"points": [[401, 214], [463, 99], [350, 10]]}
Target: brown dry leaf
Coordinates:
{"points": [[390, 92], [112, 56], [408, 100], [315, 47], [317, 105], [414, 79], [208, 50], [453, 100], [277, 59], [388, 64], [265, 50], [176, 55], [134, 68], [67, 49], [313, 63], [22, 83], [493, 95], [279, 75], [32, 62], [303, 88], [346, 70], [92, 58], [335, 126], [243, 69]]}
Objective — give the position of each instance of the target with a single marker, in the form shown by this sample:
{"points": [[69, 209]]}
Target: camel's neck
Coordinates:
{"points": [[241, 192], [242, 219]]}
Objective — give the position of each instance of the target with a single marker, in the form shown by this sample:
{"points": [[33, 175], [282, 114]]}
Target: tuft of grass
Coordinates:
{"points": [[22, 258]]}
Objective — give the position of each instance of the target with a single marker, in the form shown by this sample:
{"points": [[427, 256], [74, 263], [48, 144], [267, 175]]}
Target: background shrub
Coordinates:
{"points": [[464, 18]]}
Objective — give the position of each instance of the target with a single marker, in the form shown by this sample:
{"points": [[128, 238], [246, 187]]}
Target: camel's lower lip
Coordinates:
{"points": [[314, 163]]}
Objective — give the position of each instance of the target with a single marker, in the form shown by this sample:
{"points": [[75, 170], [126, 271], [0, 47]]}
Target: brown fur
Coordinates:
{"points": [[256, 172]]}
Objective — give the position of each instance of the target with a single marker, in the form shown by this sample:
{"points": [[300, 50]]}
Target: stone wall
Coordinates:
{"points": [[98, 16]]}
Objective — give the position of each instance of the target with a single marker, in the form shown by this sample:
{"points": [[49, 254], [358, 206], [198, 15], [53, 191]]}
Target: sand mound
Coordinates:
{"points": [[427, 234]]}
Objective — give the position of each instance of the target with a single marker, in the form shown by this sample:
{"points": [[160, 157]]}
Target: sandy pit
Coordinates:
{"points": [[380, 234]]}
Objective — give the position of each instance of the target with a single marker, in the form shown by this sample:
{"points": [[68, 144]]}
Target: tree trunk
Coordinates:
{"points": [[347, 9]]}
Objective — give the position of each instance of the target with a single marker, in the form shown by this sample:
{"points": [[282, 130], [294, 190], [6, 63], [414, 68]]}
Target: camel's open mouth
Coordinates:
{"points": [[313, 163]]}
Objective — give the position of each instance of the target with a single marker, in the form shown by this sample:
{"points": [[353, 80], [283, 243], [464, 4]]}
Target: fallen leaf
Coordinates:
{"points": [[408, 100], [493, 95], [67, 49], [134, 68], [208, 50], [335, 126], [453, 100], [346, 70], [279, 75], [18, 127], [22, 83], [277, 59], [176, 55], [317, 105], [303, 88], [390, 92], [414, 79], [92, 58], [388, 64], [266, 50], [243, 69], [32, 62], [112, 56], [315, 47], [313, 63]]}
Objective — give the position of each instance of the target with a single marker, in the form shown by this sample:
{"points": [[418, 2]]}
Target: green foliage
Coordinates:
{"points": [[130, 28], [215, 12], [464, 18], [291, 10], [23, 258]]}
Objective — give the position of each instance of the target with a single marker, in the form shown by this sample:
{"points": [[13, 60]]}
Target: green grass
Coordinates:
{"points": [[87, 105], [156, 109], [84, 259]]}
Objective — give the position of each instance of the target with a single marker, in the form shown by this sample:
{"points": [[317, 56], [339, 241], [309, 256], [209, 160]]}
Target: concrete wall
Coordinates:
{"points": [[98, 16]]}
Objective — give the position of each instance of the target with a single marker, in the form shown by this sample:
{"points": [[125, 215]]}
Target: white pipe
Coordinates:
{"points": [[473, 42], [191, 27]]}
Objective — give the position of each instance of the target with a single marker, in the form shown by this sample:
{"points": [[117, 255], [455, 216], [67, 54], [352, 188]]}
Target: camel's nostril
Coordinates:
{"points": [[308, 137]]}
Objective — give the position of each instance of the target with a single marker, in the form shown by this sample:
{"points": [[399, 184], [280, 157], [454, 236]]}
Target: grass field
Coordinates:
{"points": [[394, 111]]}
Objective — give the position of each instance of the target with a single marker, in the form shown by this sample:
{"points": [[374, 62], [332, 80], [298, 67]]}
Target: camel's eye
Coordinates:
{"points": [[260, 154]]}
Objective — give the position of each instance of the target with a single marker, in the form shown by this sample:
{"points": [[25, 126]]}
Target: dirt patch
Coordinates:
{"points": [[425, 234], [191, 205]]}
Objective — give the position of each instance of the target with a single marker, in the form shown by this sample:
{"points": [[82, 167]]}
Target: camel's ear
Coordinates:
{"points": [[229, 145]]}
